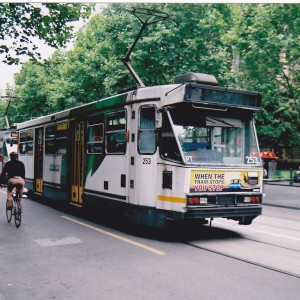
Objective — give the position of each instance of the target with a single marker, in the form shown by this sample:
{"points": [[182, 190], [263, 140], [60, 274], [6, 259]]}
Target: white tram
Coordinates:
{"points": [[8, 144], [183, 151]]}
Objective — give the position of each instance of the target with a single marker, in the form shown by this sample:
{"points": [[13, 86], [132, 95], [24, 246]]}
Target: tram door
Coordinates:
{"points": [[77, 163], [38, 160]]}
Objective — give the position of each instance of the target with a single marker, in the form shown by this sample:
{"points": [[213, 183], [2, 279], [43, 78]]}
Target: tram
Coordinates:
{"points": [[8, 144], [183, 151]]}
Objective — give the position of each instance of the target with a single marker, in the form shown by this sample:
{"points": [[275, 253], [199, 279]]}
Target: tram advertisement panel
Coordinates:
{"points": [[225, 181]]}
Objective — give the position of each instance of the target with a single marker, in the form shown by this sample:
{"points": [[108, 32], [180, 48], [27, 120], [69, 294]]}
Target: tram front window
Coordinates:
{"points": [[212, 140]]}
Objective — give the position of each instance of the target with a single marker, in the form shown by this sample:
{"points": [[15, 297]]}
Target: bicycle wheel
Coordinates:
{"points": [[17, 213], [9, 213]]}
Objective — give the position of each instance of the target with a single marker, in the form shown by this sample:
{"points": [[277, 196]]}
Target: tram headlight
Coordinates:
{"points": [[247, 199], [203, 200]]}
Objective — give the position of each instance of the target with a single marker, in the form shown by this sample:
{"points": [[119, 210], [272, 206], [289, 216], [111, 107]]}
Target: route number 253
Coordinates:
{"points": [[252, 160]]}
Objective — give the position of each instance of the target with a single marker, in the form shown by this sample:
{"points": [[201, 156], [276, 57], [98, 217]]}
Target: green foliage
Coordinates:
{"points": [[94, 68], [266, 37], [48, 22]]}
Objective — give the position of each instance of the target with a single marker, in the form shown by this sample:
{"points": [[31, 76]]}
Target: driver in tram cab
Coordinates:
{"points": [[15, 171]]}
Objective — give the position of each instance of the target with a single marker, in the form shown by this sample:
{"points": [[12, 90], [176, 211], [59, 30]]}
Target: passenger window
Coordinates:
{"points": [[61, 139], [22, 136], [147, 133], [56, 139], [95, 135], [4, 149], [26, 142], [50, 140], [116, 133]]}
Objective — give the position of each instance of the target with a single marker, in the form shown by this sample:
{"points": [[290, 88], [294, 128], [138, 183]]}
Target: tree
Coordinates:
{"points": [[32, 97], [267, 38], [94, 68], [20, 22], [165, 50]]}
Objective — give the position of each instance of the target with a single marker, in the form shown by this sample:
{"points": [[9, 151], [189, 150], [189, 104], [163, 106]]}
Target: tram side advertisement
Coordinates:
{"points": [[225, 181]]}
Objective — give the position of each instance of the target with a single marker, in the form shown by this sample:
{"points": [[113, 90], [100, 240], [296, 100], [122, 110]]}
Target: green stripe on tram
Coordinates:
{"points": [[99, 105]]}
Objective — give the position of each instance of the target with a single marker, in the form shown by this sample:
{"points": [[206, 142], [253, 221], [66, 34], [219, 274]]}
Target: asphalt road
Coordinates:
{"points": [[54, 255]]}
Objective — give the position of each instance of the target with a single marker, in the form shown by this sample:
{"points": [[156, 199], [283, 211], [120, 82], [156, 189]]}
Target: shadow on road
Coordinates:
{"points": [[175, 232], [183, 232]]}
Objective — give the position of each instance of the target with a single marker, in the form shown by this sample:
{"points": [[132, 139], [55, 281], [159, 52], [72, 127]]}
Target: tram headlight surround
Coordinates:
{"points": [[252, 199], [197, 200]]}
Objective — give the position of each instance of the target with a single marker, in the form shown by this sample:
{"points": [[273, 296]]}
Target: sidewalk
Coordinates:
{"points": [[279, 194], [282, 183]]}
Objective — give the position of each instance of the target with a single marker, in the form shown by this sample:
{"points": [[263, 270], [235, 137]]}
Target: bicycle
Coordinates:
{"points": [[16, 209]]}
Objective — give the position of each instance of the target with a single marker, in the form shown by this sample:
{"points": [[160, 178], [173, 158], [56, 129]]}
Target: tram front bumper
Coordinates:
{"points": [[229, 212]]}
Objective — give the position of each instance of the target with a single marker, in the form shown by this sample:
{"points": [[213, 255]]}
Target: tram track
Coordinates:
{"points": [[243, 260], [272, 244], [222, 241], [279, 227]]}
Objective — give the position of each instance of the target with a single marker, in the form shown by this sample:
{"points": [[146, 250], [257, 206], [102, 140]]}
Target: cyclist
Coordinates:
{"points": [[15, 171]]}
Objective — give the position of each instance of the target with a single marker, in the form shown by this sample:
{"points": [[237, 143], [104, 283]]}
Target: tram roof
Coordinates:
{"points": [[139, 95], [165, 95]]}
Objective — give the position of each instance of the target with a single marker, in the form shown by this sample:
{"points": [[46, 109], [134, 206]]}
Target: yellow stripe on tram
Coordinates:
{"points": [[171, 199]]}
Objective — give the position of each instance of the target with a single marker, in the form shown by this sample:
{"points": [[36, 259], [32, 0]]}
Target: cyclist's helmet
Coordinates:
{"points": [[13, 155]]}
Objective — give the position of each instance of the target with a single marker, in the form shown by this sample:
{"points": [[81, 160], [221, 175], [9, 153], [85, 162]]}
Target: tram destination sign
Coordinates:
{"points": [[222, 96]]}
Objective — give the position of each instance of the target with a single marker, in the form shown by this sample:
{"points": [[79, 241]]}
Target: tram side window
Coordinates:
{"points": [[26, 142], [29, 141], [61, 138], [147, 132], [50, 140], [116, 133], [56, 139], [168, 145], [4, 149], [22, 144], [95, 136]]}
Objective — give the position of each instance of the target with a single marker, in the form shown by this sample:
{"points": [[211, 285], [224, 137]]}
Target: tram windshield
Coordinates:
{"points": [[209, 140]]}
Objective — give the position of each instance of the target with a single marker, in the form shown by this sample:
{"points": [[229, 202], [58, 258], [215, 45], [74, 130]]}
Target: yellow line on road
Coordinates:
{"points": [[116, 236]]}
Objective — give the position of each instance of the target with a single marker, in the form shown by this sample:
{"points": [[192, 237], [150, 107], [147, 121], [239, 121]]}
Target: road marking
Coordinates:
{"points": [[116, 236], [58, 242]]}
